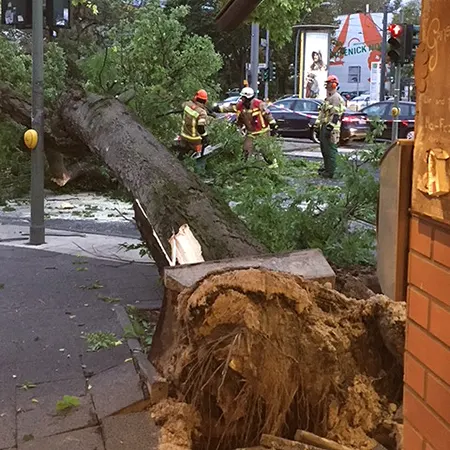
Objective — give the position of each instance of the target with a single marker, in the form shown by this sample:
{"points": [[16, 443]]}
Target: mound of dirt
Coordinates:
{"points": [[267, 352], [179, 424]]}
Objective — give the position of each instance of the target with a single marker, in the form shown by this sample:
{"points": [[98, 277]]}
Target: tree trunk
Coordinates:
{"points": [[170, 195]]}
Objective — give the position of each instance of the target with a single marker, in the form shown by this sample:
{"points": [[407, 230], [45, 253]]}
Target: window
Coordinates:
{"points": [[377, 110], [354, 74], [309, 106], [285, 104]]}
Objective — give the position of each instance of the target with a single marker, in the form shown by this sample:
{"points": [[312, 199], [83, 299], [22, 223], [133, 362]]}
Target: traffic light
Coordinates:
{"points": [[412, 42], [266, 74], [272, 71], [396, 50]]}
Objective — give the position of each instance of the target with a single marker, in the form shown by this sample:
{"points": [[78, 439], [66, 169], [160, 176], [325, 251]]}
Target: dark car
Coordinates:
{"points": [[383, 111], [296, 116]]}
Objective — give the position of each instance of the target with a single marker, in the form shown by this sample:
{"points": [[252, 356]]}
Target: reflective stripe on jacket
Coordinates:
{"points": [[256, 119], [194, 116], [331, 111]]}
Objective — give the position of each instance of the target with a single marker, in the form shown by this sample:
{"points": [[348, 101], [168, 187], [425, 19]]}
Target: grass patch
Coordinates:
{"points": [[143, 326], [101, 340]]}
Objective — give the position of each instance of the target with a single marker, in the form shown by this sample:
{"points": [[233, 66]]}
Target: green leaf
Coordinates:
{"points": [[68, 402]]}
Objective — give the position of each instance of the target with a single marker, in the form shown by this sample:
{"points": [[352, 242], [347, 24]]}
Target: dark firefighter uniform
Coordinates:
{"points": [[254, 115], [328, 126]]}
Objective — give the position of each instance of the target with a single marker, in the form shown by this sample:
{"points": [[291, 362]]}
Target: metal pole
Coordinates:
{"points": [[254, 56], [266, 86], [398, 71], [383, 52], [37, 227], [297, 43], [398, 74]]}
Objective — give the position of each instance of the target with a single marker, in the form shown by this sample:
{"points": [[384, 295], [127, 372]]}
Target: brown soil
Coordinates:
{"points": [[179, 424], [357, 282], [266, 352]]}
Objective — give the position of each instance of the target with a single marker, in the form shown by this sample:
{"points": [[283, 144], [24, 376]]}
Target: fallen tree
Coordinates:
{"points": [[170, 195], [266, 352]]}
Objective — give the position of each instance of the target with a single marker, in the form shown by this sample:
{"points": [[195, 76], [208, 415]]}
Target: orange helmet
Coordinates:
{"points": [[333, 79], [201, 95]]}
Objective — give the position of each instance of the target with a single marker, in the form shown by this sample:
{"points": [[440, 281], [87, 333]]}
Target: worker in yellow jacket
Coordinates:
{"points": [[328, 126], [194, 136]]}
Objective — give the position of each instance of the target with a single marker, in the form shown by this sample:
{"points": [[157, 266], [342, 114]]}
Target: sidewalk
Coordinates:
{"points": [[50, 297]]}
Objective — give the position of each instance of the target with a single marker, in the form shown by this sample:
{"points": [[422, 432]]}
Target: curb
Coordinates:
{"points": [[157, 388]]}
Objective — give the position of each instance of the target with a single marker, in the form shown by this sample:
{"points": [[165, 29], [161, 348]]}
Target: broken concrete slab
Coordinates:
{"points": [[115, 389], [277, 443], [130, 431], [86, 439], [308, 264], [38, 416]]}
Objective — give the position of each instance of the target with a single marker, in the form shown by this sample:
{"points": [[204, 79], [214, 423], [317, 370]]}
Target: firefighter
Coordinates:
{"points": [[328, 126], [194, 136], [253, 114]]}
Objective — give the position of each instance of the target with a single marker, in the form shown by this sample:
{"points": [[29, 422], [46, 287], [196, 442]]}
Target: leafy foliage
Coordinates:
{"points": [[289, 208], [14, 164], [152, 54], [143, 325], [101, 340]]}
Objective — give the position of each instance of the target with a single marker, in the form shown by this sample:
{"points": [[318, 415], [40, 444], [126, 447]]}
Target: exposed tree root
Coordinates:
{"points": [[266, 352]]}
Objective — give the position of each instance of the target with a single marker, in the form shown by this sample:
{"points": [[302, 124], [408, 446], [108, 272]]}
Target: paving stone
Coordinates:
{"points": [[87, 439], [130, 431], [39, 417], [7, 424], [115, 389], [97, 362]]}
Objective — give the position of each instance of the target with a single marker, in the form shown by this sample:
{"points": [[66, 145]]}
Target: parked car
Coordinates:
{"points": [[383, 111], [229, 101], [357, 103], [296, 117], [350, 95]]}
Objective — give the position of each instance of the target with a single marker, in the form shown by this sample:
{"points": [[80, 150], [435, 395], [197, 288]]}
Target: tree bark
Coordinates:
{"points": [[18, 109], [170, 195]]}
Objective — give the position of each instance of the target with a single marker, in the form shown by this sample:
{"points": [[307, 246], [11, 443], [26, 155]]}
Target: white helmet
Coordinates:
{"points": [[248, 92]]}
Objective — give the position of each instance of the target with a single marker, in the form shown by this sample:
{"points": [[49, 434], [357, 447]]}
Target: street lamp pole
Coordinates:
{"points": [[37, 226], [254, 56], [297, 43], [383, 51], [266, 85]]}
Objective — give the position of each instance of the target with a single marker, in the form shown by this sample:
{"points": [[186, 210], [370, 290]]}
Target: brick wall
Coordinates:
{"points": [[427, 357]]}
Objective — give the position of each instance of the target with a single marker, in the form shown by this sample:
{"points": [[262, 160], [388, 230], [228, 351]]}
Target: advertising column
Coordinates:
{"points": [[315, 64]]}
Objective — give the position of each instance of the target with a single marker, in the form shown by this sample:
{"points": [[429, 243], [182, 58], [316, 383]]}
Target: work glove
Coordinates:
{"points": [[316, 129], [274, 129], [328, 129], [205, 143], [216, 109]]}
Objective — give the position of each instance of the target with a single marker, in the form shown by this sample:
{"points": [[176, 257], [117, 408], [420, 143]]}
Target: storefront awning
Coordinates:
{"points": [[234, 13]]}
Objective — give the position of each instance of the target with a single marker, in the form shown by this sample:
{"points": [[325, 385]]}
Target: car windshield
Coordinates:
{"points": [[285, 104], [231, 99], [361, 97]]}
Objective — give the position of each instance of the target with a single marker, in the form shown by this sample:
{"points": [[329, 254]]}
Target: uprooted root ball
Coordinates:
{"points": [[267, 352]]}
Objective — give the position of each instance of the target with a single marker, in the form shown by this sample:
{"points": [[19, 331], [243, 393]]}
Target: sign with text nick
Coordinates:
{"points": [[315, 64]]}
